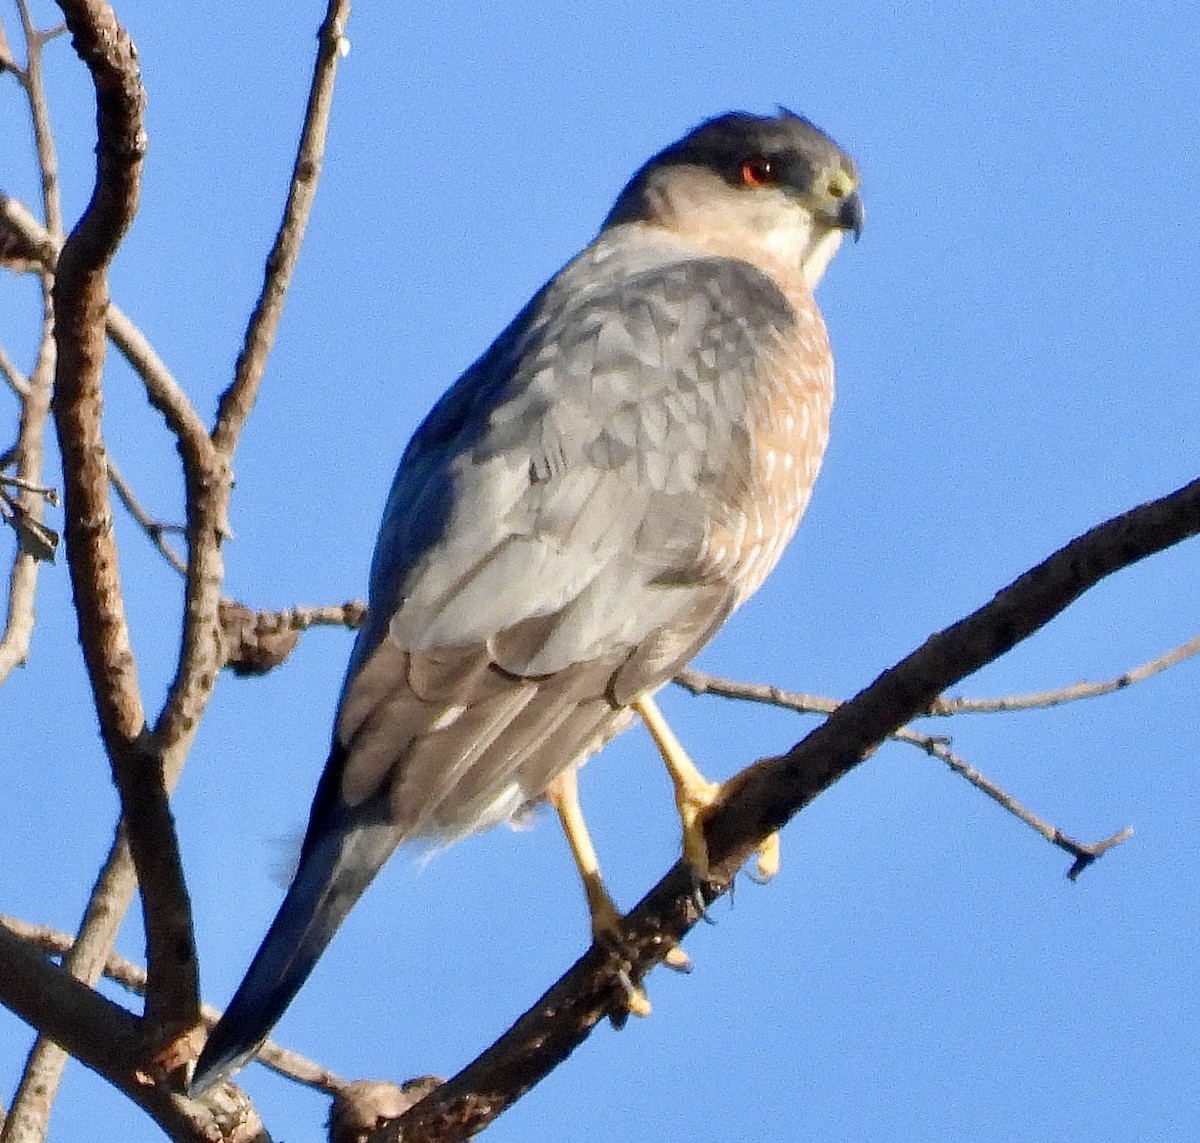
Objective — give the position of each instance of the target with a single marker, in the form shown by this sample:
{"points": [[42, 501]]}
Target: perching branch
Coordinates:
{"points": [[766, 795]]}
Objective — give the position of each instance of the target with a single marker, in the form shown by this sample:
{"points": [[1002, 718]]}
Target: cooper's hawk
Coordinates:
{"points": [[575, 518]]}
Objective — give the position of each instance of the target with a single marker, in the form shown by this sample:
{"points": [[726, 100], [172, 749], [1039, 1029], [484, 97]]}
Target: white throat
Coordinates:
{"points": [[819, 254]]}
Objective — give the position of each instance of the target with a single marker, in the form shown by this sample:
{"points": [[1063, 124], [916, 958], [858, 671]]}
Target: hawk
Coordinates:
{"points": [[577, 516]]}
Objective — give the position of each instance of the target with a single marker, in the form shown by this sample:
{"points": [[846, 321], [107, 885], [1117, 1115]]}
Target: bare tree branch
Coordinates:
{"points": [[17, 381], [703, 683], [207, 480], [237, 401], [762, 798], [81, 298], [30, 457], [110, 900], [155, 530], [1084, 853], [35, 406], [256, 642], [208, 486], [43, 134], [94, 1030]]}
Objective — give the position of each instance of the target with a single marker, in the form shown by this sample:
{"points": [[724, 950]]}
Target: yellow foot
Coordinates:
{"points": [[695, 801], [607, 927], [696, 797]]}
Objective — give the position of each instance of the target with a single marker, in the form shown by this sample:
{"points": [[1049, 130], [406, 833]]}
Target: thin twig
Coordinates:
{"points": [[350, 614], [7, 63], [701, 683], [35, 405], [208, 487], [50, 495], [155, 530], [237, 401], [1084, 853], [43, 133], [1039, 700], [17, 381], [30, 456], [164, 391]]}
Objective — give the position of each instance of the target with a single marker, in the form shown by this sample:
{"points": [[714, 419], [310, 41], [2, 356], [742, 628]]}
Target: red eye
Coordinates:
{"points": [[759, 172]]}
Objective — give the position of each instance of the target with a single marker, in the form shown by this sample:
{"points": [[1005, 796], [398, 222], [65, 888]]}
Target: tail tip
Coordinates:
{"points": [[217, 1063]]}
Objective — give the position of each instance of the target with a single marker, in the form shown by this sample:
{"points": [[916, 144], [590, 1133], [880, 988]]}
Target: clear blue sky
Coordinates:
{"points": [[1016, 338]]}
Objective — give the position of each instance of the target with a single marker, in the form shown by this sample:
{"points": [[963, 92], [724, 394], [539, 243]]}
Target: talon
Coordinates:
{"points": [[698, 898], [606, 931]]}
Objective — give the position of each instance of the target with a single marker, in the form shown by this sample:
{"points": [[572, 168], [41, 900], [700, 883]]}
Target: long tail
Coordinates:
{"points": [[334, 871]]}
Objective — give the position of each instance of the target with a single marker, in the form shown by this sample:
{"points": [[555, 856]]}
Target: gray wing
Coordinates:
{"points": [[542, 557]]}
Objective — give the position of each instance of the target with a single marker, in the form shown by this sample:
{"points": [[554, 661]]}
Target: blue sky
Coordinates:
{"points": [[1016, 341]]}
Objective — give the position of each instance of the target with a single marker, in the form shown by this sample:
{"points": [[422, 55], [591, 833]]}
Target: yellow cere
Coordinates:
{"points": [[841, 183]]}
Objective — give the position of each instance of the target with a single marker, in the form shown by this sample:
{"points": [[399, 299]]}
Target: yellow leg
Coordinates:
{"points": [[563, 795], [695, 795]]}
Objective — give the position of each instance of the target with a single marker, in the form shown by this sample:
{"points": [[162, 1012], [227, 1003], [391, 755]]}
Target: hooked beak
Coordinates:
{"points": [[851, 215]]}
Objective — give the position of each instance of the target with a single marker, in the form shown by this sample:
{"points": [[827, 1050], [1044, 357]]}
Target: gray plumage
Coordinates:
{"points": [[574, 519]]}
